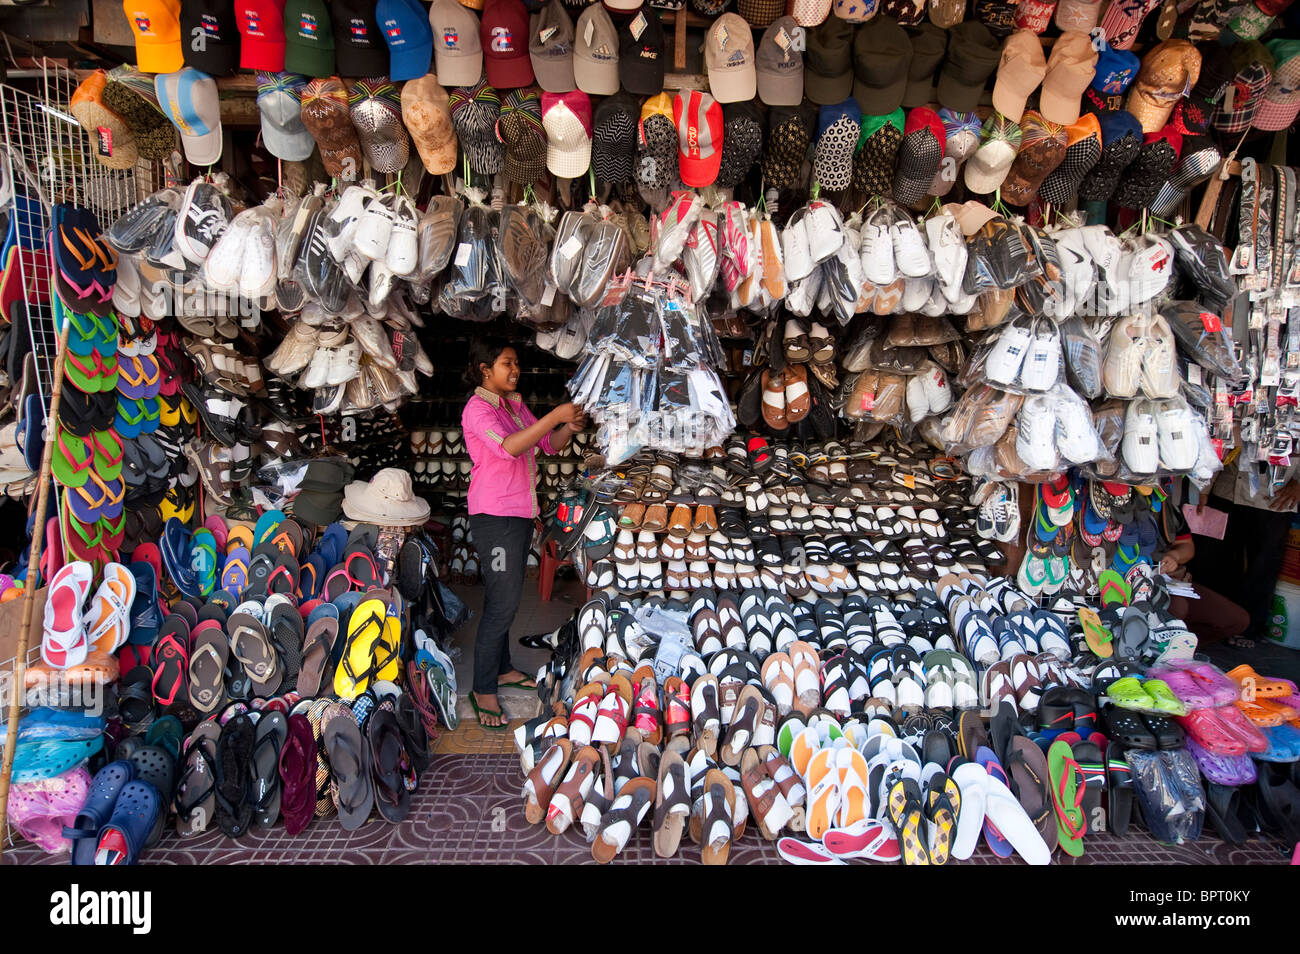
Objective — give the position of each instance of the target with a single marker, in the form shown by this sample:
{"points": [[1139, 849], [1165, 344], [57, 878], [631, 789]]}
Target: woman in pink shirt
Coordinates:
{"points": [[502, 437]]}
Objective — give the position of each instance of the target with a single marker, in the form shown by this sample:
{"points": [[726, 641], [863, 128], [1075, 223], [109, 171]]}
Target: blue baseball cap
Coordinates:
{"points": [[405, 28], [829, 114], [1117, 125], [1116, 70], [190, 100]]}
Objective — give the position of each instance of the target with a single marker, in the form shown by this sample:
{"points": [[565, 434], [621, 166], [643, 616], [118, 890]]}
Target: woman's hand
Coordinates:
{"points": [[1168, 565], [579, 423], [569, 413]]}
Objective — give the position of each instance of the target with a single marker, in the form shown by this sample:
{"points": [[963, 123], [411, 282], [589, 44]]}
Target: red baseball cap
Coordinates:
{"points": [[699, 132], [503, 33], [922, 117], [261, 34]]}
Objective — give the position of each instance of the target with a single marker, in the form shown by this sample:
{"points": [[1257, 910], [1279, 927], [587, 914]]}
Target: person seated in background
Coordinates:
{"points": [[1213, 617]]}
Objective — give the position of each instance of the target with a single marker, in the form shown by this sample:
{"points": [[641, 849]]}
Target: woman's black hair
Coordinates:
{"points": [[483, 350]]}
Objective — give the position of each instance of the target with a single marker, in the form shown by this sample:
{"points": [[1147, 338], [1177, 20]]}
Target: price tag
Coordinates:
{"points": [[572, 247], [589, 32], [546, 33], [909, 481], [1194, 374], [638, 26], [548, 295], [462, 254], [1211, 322]]}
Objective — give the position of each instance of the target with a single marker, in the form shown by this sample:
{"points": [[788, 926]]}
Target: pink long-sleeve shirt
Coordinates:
{"points": [[500, 484]]}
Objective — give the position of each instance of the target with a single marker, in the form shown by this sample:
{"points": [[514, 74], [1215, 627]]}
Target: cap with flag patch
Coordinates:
{"points": [[999, 142], [1253, 77], [595, 52], [376, 109], [729, 60], [156, 27], [520, 131], [698, 118], [1168, 72], [359, 47], [779, 65], [1281, 103], [309, 38], [457, 53], [614, 138], [261, 34], [1070, 68], [212, 37], [426, 111], [1042, 147], [838, 128], [474, 112], [325, 114], [189, 99], [882, 56], [504, 37], [1082, 151], [920, 155], [1020, 70], [567, 120], [641, 53], [973, 55], [550, 47], [406, 30], [279, 100]]}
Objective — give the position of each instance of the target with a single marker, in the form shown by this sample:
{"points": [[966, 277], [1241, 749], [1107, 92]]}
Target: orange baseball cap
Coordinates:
{"points": [[156, 25]]}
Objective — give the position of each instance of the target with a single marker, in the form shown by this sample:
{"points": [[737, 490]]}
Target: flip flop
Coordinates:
{"points": [[480, 711], [1068, 791]]}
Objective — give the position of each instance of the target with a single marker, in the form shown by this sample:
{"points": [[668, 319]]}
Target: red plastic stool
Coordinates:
{"points": [[550, 563]]}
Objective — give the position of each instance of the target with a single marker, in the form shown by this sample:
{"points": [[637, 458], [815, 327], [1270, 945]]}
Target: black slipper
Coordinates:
{"points": [[1229, 812], [235, 776], [1119, 793]]}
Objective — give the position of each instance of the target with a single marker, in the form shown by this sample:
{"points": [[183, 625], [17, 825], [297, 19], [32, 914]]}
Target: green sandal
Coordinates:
{"points": [[480, 711], [1127, 693]]}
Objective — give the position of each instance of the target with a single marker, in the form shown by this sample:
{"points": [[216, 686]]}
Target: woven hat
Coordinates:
{"points": [[1167, 73], [919, 155], [828, 62], [929, 44], [1082, 152], [698, 118], [113, 141], [218, 53], [877, 157], [359, 47], [376, 109], [457, 52], [426, 112], [837, 136], [742, 142], [503, 34], [1042, 147], [961, 139], [1021, 68], [550, 47], [595, 54], [641, 54], [882, 56], [809, 13], [789, 138], [729, 60], [760, 14], [1121, 139], [521, 132], [973, 55], [261, 34], [387, 500], [614, 138], [657, 144], [474, 112], [1281, 103], [567, 120], [779, 65], [326, 116], [279, 100], [1236, 111], [999, 143]]}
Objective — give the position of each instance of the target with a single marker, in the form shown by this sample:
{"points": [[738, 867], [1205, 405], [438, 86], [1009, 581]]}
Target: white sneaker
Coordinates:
{"points": [[794, 246], [877, 252], [916, 294], [1177, 436], [1075, 437], [382, 283], [1141, 445], [403, 253], [825, 231], [1036, 433], [918, 405], [226, 260], [1151, 268], [257, 277], [1008, 354], [962, 305], [948, 248], [1159, 360], [911, 257], [345, 215], [936, 304], [1042, 365], [938, 393], [1122, 371], [1078, 273], [374, 228], [803, 294]]}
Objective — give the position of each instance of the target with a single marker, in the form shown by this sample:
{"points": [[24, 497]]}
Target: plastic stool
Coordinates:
{"points": [[550, 562]]}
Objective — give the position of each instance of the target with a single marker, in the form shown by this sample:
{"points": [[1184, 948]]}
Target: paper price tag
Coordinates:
{"points": [[638, 26], [548, 295], [909, 481], [572, 247], [782, 39], [462, 254], [1194, 373], [589, 32], [546, 33]]}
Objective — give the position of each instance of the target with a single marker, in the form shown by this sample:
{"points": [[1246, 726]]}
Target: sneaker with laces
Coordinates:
{"points": [[1007, 355], [1075, 437], [203, 216], [1036, 433], [948, 249], [825, 231], [1042, 365], [1159, 360], [911, 256], [138, 227], [794, 243], [1122, 371], [876, 252], [1176, 435]]}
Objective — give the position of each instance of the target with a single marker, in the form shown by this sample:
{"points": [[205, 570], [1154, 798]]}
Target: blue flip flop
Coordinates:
{"points": [[84, 830], [264, 529], [134, 815], [332, 543], [145, 618], [989, 760], [203, 560]]}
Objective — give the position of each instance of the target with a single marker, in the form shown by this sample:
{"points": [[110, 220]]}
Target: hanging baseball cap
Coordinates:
{"points": [[376, 109], [1281, 103], [838, 128], [595, 52], [279, 100], [828, 62], [1254, 75], [998, 15], [1070, 69], [156, 27], [1078, 15], [567, 120], [742, 142], [474, 112], [877, 155], [189, 99], [698, 118], [973, 55], [325, 114], [212, 45], [1042, 147], [426, 112], [1114, 74], [359, 47], [457, 52], [641, 54], [882, 56], [1082, 152], [856, 11], [789, 137], [1167, 74], [947, 13], [309, 38], [999, 142], [113, 141], [409, 36], [1021, 68], [520, 131], [905, 12], [1121, 140], [961, 139], [624, 6], [929, 44], [920, 155], [760, 14], [550, 48], [261, 34], [504, 37], [729, 59], [614, 138], [809, 13], [657, 142], [779, 65], [1121, 21]]}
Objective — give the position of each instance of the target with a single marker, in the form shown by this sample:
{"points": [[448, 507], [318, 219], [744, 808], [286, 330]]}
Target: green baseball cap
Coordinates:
{"points": [[309, 38]]}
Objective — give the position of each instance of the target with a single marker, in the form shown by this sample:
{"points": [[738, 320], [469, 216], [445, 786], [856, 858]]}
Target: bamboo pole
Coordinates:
{"points": [[29, 595]]}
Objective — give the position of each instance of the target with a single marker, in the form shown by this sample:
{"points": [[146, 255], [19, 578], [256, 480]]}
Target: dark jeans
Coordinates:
{"points": [[1244, 565], [502, 544], [1213, 618]]}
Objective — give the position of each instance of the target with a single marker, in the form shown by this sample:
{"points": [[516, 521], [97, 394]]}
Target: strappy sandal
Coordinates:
{"points": [[566, 803], [622, 819], [672, 804]]}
